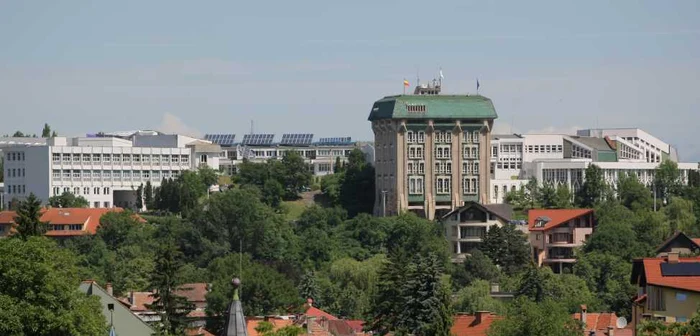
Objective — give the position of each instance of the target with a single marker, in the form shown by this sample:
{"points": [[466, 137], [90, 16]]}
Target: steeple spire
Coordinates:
{"points": [[235, 320]]}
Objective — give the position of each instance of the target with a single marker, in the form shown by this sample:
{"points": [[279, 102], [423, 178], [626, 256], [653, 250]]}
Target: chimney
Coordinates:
{"points": [[584, 315], [309, 324], [672, 258], [109, 289], [480, 316], [132, 299], [495, 288], [611, 331]]}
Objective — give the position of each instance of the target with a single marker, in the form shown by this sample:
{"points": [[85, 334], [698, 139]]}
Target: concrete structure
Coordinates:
{"points": [[104, 170], [669, 288], [466, 226], [124, 321], [431, 151], [562, 159], [321, 154], [555, 233]]}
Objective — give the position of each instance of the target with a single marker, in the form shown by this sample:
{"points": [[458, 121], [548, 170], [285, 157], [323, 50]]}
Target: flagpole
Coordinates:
{"points": [[404, 86]]}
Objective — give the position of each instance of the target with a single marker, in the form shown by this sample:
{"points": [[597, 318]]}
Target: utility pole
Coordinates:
{"points": [[384, 203]]}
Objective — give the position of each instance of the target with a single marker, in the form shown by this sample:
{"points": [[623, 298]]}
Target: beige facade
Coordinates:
{"points": [[430, 163], [556, 233], [467, 226]]}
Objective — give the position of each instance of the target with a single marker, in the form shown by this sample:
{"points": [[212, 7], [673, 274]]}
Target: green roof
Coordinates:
{"points": [[433, 107]]}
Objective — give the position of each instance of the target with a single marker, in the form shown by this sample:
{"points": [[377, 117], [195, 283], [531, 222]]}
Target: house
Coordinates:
{"points": [[602, 324], [195, 293], [125, 322], [63, 222], [669, 288], [473, 324], [555, 233], [467, 226], [679, 243]]}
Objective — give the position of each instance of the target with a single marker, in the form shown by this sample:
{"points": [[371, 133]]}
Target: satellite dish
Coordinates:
{"points": [[621, 322]]}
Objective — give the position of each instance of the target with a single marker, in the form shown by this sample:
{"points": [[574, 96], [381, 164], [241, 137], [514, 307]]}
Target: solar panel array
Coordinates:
{"points": [[680, 269], [296, 139], [258, 139], [335, 141], [221, 139]]}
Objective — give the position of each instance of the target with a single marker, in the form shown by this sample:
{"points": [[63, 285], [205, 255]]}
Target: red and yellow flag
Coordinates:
{"points": [[405, 83]]}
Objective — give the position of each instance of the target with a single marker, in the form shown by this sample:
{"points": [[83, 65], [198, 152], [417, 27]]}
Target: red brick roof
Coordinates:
{"points": [[356, 325], [652, 273], [138, 300], [277, 323], [318, 313], [193, 292], [88, 217], [557, 216], [696, 240], [465, 325], [598, 322]]}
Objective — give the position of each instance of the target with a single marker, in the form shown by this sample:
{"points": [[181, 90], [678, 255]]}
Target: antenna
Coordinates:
{"points": [[417, 75], [251, 126]]}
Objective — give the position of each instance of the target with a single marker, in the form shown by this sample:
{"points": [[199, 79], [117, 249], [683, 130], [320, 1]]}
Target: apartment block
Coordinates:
{"points": [[467, 226]]}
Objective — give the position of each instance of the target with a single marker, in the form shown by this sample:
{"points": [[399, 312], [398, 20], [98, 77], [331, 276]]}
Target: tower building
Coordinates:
{"points": [[431, 151]]}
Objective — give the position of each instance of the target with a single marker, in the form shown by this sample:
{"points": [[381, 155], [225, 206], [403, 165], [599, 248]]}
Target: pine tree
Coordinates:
{"points": [[148, 196], [139, 198], [308, 289], [338, 166], [46, 132], [172, 308], [28, 218]]}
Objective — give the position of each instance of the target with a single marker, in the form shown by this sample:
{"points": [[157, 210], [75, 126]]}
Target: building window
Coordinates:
{"points": [[66, 189], [185, 159], [203, 159], [466, 168], [410, 137], [75, 227], [442, 152], [176, 159], [155, 159], [96, 174], [137, 158], [117, 157], [476, 167], [76, 190], [126, 174], [467, 137], [495, 192], [681, 297], [86, 191], [421, 137], [166, 174], [442, 185], [107, 174], [415, 185], [410, 168], [421, 167], [105, 191], [96, 157], [107, 158], [56, 157], [56, 191], [156, 175], [166, 158], [136, 174], [126, 158], [106, 204], [475, 138], [146, 174], [76, 174]]}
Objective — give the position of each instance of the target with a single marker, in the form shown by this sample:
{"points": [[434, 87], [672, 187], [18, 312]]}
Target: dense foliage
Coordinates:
{"points": [[68, 200]]}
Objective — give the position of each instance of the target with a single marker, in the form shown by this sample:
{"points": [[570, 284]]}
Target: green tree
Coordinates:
{"points": [[547, 195], [545, 318], [265, 328], [68, 200], [308, 289], [479, 267], [28, 218], [263, 290], [273, 192], [39, 292], [148, 196], [338, 166], [477, 297], [330, 187], [633, 194], [139, 198], [19, 134], [593, 189], [296, 174], [208, 176], [357, 187], [609, 277], [412, 299], [172, 308], [667, 180], [563, 197], [615, 234], [681, 217], [507, 247], [46, 132]]}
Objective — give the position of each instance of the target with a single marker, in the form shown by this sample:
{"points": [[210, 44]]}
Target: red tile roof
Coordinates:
{"points": [[557, 216], [88, 217], [193, 292], [652, 273], [198, 331], [465, 325], [696, 241], [138, 300], [318, 313], [356, 325], [277, 323], [598, 322]]}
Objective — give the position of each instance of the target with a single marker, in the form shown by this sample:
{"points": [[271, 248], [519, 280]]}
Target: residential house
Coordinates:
{"points": [[473, 324], [602, 324], [679, 243], [555, 233], [62, 222], [467, 226], [125, 322], [195, 293], [668, 288]]}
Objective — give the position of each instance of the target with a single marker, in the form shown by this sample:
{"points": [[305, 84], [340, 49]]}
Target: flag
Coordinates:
{"points": [[441, 75], [477, 84], [405, 83]]}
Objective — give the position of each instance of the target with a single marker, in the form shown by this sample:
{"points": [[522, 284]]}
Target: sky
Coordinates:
{"points": [[311, 66]]}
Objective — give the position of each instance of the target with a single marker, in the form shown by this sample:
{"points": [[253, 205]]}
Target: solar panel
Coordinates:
{"points": [[221, 139], [680, 269], [335, 141], [296, 139], [258, 139]]}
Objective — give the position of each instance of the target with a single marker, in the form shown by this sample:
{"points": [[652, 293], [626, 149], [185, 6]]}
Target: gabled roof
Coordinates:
{"points": [[681, 238], [598, 322], [193, 292], [88, 217], [556, 217], [502, 211], [436, 107], [318, 313], [466, 325], [648, 271]]}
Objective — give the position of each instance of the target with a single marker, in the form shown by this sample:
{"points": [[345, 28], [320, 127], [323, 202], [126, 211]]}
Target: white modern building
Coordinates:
{"points": [[321, 154], [563, 159], [105, 170]]}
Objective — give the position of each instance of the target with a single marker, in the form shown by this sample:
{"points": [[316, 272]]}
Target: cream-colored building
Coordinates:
{"points": [[432, 151], [466, 227]]}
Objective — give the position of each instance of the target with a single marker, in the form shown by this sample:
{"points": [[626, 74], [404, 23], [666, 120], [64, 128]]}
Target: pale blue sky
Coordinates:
{"points": [[317, 66]]}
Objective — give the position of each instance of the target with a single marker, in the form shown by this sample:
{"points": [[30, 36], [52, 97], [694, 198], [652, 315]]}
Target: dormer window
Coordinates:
{"points": [[542, 221]]}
